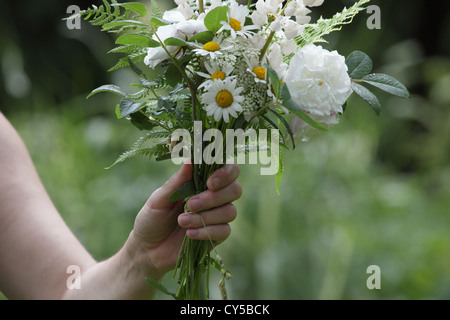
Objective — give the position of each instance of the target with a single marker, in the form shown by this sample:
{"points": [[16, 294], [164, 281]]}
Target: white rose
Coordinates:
{"points": [[303, 131], [318, 80], [313, 3], [182, 30]]}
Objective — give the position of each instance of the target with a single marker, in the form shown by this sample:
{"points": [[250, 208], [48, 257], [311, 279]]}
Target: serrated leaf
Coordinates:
{"points": [[359, 64], [186, 191], [138, 40], [368, 96], [108, 88], [156, 10], [121, 23], [387, 84], [137, 7], [214, 18], [135, 68], [127, 107]]}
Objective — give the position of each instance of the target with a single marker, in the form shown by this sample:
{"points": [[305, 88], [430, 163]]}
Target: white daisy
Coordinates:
{"points": [[223, 99], [215, 72], [236, 21], [212, 48], [255, 68]]}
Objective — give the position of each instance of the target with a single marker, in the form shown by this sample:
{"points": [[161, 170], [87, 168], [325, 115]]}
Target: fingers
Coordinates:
{"points": [[223, 177], [211, 199], [222, 188], [160, 198], [216, 221]]}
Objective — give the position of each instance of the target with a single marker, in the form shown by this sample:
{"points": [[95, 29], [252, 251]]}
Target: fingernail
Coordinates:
{"points": [[193, 205], [184, 220], [192, 233]]}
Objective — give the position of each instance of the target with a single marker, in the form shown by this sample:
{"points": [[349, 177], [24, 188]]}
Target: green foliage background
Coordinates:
{"points": [[371, 191]]}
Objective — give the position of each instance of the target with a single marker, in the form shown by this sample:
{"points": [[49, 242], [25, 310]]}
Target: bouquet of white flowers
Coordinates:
{"points": [[213, 72]]}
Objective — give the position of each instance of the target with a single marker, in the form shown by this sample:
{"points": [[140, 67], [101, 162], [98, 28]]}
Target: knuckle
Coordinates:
{"points": [[232, 211], [236, 190]]}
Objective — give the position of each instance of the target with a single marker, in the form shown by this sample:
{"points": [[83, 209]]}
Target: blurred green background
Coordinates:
{"points": [[371, 191]]}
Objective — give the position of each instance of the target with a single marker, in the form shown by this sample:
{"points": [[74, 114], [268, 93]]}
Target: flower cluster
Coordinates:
{"points": [[223, 65], [233, 53]]}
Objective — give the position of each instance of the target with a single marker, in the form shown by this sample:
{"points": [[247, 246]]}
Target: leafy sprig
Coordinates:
{"points": [[359, 69]]}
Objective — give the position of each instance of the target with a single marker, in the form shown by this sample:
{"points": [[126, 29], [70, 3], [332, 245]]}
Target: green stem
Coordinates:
{"points": [[201, 7]]}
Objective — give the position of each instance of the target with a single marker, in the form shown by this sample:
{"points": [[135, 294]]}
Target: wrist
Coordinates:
{"points": [[136, 253]]}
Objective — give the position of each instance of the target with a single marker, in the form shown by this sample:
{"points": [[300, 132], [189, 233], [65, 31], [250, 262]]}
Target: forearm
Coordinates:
{"points": [[123, 276]]}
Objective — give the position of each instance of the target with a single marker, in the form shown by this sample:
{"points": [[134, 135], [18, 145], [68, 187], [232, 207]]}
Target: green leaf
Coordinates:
{"points": [[274, 125], [387, 84], [138, 40], [108, 88], [140, 121], [176, 42], [368, 96], [288, 127], [122, 23], [274, 79], [173, 75], [118, 115], [214, 18], [359, 64], [158, 286], [157, 22], [128, 107], [202, 37], [137, 7], [279, 174], [186, 191]]}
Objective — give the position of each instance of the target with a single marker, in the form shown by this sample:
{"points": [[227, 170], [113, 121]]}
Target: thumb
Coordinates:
{"points": [[160, 198]]}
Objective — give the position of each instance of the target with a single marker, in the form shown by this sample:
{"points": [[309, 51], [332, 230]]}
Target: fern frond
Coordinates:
{"points": [[315, 32], [150, 152], [156, 10], [108, 12], [135, 57]]}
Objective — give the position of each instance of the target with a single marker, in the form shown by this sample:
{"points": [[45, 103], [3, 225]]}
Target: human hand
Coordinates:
{"points": [[161, 225]]}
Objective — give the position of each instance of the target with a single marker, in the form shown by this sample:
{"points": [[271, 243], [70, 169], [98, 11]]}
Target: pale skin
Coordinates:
{"points": [[37, 246]]}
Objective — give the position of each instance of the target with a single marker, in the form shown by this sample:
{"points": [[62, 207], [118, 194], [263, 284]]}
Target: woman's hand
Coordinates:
{"points": [[161, 225]]}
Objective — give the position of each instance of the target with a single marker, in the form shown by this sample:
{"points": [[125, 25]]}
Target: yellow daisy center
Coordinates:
{"points": [[260, 72], [211, 46], [235, 24], [218, 75], [224, 99], [320, 83]]}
